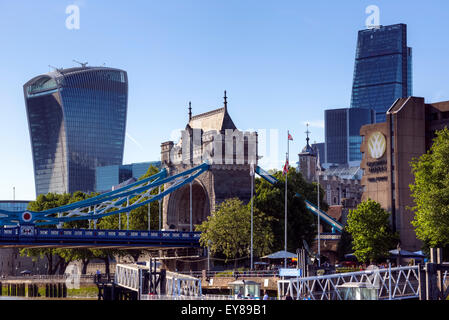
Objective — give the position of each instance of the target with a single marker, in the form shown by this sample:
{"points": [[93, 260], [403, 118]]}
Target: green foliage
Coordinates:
{"points": [[431, 193], [344, 245], [228, 230], [45, 202], [369, 226], [301, 224]]}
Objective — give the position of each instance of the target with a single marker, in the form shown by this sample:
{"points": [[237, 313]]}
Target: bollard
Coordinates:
{"points": [[47, 291], [1, 289], [59, 290], [64, 291]]}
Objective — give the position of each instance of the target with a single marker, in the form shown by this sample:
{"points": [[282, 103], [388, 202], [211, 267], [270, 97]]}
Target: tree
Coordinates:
{"points": [[431, 193], [45, 202], [344, 245], [369, 226], [301, 224], [228, 231]]}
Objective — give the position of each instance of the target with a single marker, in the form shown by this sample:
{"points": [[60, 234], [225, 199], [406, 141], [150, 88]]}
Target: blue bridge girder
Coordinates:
{"points": [[22, 228], [28, 236], [110, 203], [311, 207]]}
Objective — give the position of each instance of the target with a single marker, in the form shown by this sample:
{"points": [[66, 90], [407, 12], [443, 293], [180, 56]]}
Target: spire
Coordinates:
{"points": [[307, 133], [225, 101], [190, 110]]}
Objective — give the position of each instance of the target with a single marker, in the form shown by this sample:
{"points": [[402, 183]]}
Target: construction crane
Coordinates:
{"points": [[57, 69]]}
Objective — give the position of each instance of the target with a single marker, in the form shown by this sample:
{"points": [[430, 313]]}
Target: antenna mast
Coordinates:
{"points": [[83, 64]]}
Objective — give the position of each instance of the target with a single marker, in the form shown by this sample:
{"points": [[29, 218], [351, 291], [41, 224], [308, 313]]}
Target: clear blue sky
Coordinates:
{"points": [[282, 62]]}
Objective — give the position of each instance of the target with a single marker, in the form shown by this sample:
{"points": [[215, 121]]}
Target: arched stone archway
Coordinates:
{"points": [[179, 206]]}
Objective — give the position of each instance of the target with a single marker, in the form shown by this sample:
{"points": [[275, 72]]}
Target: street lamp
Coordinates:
{"points": [[252, 212]]}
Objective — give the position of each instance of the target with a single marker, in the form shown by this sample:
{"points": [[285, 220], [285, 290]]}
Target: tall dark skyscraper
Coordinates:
{"points": [[383, 69], [342, 134], [77, 120]]}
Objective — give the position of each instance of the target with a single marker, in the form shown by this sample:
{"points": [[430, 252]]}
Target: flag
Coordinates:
{"points": [[285, 171], [290, 137]]}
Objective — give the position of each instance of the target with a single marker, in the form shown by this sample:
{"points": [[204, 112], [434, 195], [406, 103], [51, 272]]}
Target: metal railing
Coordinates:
{"points": [[395, 283], [84, 278], [182, 297], [233, 274]]}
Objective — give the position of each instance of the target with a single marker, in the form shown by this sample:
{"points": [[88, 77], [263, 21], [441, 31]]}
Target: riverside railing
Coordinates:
{"points": [[82, 278], [392, 283]]}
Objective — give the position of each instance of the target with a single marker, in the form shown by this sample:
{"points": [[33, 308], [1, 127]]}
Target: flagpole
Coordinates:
{"points": [[319, 213], [285, 218]]}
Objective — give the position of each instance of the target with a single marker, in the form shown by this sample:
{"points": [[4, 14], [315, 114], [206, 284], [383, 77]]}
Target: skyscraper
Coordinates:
{"points": [[77, 120], [383, 69], [342, 134]]}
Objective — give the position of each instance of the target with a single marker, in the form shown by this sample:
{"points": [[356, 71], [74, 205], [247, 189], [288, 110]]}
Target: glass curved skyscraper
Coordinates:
{"points": [[77, 120]]}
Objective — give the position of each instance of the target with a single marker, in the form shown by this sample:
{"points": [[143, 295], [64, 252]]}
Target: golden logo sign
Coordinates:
{"points": [[377, 144]]}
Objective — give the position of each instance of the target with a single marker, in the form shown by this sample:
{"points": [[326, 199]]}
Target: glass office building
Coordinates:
{"points": [[77, 120], [342, 134], [14, 205], [383, 69], [108, 177]]}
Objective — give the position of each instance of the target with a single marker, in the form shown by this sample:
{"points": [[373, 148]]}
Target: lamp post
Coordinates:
{"points": [[252, 213]]}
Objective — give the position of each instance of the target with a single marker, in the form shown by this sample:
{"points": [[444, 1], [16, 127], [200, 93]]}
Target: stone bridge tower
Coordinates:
{"points": [[210, 137]]}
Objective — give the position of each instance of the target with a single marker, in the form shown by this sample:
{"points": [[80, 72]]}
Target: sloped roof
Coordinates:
{"points": [[335, 212], [344, 172], [217, 119]]}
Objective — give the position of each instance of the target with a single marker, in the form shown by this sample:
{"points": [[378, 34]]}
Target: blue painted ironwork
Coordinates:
{"points": [[311, 207], [110, 203], [28, 235], [25, 231]]}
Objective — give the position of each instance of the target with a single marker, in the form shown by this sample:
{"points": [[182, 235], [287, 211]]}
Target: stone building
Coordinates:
{"points": [[210, 137], [342, 185], [12, 263]]}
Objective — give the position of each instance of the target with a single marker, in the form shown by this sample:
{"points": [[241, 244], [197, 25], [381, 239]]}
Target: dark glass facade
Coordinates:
{"points": [[342, 134], [77, 122], [383, 69], [111, 176]]}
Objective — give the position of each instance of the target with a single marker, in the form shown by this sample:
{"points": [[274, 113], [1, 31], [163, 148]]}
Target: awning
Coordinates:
{"points": [[280, 255], [406, 254]]}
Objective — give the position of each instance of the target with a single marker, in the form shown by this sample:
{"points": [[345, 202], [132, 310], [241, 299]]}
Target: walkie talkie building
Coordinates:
{"points": [[77, 120]]}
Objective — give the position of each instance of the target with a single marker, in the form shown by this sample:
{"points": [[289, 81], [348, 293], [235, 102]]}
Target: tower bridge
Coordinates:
{"points": [[209, 164]]}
